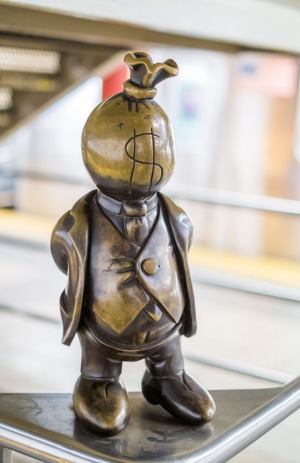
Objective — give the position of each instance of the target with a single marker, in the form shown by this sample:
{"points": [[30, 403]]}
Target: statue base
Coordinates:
{"points": [[44, 427]]}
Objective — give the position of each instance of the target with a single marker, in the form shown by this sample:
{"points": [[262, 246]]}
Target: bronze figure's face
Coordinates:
{"points": [[128, 147]]}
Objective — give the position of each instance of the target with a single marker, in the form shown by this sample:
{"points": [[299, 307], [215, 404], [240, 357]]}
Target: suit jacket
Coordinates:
{"points": [[69, 247]]}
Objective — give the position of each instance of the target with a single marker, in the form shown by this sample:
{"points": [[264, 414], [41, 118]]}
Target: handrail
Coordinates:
{"points": [[244, 283], [235, 199], [196, 194]]}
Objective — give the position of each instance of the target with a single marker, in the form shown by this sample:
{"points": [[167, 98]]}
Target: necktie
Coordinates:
{"points": [[136, 223], [137, 230]]}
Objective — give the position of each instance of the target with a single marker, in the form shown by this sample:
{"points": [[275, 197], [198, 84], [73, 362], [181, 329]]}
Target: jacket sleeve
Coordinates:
{"points": [[189, 326], [69, 251], [182, 231], [187, 223], [61, 243]]}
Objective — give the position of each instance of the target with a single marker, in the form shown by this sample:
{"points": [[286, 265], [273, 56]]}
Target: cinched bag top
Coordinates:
{"points": [[144, 75]]}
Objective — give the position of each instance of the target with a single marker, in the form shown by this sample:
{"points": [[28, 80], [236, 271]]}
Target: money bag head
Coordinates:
{"points": [[127, 141]]}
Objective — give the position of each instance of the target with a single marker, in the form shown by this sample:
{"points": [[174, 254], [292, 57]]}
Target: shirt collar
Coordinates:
{"points": [[115, 206]]}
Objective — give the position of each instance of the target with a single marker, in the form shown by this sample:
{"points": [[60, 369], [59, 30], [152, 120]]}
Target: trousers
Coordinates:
{"points": [[101, 361]]}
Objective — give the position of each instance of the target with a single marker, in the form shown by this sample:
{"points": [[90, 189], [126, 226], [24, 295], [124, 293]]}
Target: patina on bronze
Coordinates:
{"points": [[124, 249]]}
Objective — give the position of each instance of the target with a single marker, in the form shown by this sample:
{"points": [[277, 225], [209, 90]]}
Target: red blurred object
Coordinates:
{"points": [[113, 83]]}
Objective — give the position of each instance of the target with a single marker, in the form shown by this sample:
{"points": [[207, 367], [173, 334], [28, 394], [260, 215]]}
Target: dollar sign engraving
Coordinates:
{"points": [[135, 160]]}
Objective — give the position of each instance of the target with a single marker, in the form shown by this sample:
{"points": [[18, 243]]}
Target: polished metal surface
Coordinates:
{"points": [[44, 426]]}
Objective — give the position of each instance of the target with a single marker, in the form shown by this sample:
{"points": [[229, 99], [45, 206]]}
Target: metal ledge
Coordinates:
{"points": [[43, 426]]}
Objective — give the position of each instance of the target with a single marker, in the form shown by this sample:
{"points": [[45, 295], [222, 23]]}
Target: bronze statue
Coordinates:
{"points": [[124, 248]]}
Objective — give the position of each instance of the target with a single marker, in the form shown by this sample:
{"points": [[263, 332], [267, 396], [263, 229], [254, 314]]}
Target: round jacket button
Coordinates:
{"points": [[150, 266]]}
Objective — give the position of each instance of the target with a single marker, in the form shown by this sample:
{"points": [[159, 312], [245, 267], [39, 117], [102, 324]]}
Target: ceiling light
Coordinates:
{"points": [[5, 98], [27, 60]]}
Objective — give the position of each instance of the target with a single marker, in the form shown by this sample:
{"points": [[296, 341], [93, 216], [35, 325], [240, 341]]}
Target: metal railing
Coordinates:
{"points": [[215, 197], [195, 194], [236, 199]]}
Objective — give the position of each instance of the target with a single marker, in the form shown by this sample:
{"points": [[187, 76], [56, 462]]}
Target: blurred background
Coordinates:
{"points": [[235, 112]]}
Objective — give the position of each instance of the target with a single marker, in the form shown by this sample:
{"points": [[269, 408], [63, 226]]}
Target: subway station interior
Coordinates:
{"points": [[235, 113]]}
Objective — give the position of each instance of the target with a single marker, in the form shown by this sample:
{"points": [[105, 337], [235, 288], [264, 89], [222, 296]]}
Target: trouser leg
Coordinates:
{"points": [[100, 399], [97, 359], [166, 383], [167, 360]]}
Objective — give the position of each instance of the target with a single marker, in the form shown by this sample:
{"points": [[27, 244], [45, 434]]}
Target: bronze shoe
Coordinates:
{"points": [[181, 396], [102, 405]]}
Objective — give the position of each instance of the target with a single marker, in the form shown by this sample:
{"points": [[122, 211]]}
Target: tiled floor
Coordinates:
{"points": [[252, 329]]}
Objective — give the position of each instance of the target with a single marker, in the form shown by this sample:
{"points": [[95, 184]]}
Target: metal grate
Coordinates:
{"points": [[5, 99], [27, 60]]}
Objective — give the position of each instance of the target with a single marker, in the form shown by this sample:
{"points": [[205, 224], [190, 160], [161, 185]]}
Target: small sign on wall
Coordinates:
{"points": [[272, 75]]}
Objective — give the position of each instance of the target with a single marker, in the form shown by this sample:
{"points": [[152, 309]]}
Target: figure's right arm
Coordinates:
{"points": [[61, 243]]}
